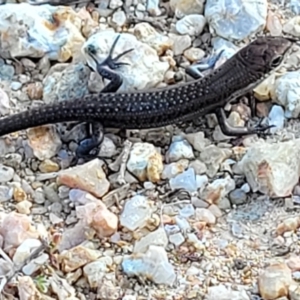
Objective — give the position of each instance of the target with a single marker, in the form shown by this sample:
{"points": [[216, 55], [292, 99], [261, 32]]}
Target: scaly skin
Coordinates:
{"points": [[160, 107]]}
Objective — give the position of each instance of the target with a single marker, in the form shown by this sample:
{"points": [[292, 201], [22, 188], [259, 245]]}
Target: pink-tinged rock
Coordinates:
{"points": [[98, 217], [293, 262], [16, 228], [88, 177]]}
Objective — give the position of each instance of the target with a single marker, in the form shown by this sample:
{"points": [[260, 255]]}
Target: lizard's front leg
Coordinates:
{"points": [[105, 69], [195, 72]]}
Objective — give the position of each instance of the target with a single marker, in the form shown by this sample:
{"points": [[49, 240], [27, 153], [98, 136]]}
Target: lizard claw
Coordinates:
{"points": [[260, 128], [109, 61]]}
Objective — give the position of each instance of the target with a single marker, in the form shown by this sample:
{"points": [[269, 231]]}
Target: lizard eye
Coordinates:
{"points": [[276, 61]]}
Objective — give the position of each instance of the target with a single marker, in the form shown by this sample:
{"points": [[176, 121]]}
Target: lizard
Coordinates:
{"points": [[158, 107]]}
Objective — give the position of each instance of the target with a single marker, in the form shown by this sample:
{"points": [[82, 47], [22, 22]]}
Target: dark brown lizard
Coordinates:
{"points": [[159, 107]]}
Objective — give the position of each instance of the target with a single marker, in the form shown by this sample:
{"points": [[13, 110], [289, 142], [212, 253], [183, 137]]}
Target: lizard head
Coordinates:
{"points": [[265, 54]]}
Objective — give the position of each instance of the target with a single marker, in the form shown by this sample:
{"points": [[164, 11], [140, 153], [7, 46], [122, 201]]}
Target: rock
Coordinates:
{"points": [[292, 26], [153, 7], [40, 35], [238, 197], [35, 91], [153, 265], [274, 282], [204, 215], [276, 118], [177, 239], [180, 43], [192, 25], [23, 207], [4, 102], [274, 25], [77, 257], [194, 54], [265, 90], [197, 140], [148, 35], [217, 190], [72, 237], [88, 177], [287, 93], [179, 149], [35, 264], [290, 224], [185, 180], [94, 272], [27, 290], [145, 162], [213, 156], [221, 292], [144, 69], [6, 193], [136, 213], [295, 6], [48, 166], [293, 262], [246, 17], [272, 169], [98, 217], [66, 82], [173, 169], [157, 237], [6, 173], [44, 141], [198, 166], [25, 249], [15, 228], [119, 18], [187, 7]]}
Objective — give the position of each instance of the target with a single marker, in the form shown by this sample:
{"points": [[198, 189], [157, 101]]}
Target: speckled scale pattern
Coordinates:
{"points": [[160, 107]]}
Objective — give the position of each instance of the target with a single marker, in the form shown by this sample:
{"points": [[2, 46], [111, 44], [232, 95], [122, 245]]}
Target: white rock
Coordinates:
{"points": [[136, 213], [25, 249], [272, 169], [39, 34], [153, 7], [179, 149], [157, 237], [287, 93], [245, 18], [221, 292], [144, 71], [153, 264], [205, 215], [94, 272], [180, 43], [276, 118], [119, 18], [191, 25], [177, 239], [185, 180], [292, 26], [113, 4], [35, 264]]}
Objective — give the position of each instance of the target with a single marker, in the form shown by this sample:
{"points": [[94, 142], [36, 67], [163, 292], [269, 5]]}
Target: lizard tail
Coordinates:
{"points": [[47, 114]]}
